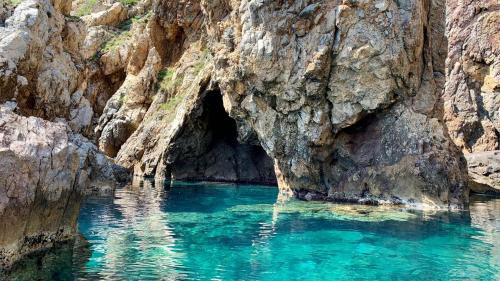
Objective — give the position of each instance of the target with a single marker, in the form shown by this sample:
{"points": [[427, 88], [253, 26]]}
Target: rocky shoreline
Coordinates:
{"points": [[370, 102]]}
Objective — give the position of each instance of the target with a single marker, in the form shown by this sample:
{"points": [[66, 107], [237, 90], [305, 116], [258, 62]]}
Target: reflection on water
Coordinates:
{"points": [[228, 232], [132, 231]]}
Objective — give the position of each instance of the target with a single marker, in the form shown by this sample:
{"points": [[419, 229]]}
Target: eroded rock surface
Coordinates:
{"points": [[484, 171], [40, 63], [44, 171], [334, 100], [472, 96], [342, 95]]}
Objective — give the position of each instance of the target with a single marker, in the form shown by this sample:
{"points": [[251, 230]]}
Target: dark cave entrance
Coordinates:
{"points": [[211, 150]]}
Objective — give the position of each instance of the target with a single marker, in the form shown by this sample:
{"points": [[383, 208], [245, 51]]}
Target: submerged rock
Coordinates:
{"points": [[44, 171]]}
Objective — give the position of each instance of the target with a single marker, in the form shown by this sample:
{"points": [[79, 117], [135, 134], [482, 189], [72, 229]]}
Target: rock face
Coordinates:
{"points": [[46, 167], [342, 100], [472, 96], [342, 96], [40, 175], [187, 135], [112, 16], [484, 171], [40, 64], [44, 171]]}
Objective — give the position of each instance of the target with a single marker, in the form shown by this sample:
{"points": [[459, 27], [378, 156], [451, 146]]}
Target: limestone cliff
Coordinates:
{"points": [[472, 94], [342, 95], [364, 101]]}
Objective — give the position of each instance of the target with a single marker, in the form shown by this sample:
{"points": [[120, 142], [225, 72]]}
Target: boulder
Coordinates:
{"points": [[484, 171], [112, 16], [45, 170]]}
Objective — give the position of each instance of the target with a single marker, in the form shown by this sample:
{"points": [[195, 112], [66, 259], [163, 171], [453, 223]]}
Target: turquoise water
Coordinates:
{"points": [[229, 232]]}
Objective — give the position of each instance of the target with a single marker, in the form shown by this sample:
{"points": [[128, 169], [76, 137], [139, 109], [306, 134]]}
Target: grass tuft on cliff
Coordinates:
{"points": [[171, 103], [129, 2], [85, 8], [116, 41], [14, 2], [124, 33], [168, 80]]}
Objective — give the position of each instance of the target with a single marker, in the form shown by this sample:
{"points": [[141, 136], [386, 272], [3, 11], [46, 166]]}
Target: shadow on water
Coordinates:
{"points": [[150, 231]]}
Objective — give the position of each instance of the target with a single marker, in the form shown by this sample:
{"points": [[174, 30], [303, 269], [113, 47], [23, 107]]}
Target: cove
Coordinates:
{"points": [[207, 231]]}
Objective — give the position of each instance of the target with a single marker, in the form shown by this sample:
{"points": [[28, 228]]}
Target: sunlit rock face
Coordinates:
{"points": [[44, 170], [472, 96], [187, 135], [342, 95], [40, 63], [39, 174], [177, 132]]}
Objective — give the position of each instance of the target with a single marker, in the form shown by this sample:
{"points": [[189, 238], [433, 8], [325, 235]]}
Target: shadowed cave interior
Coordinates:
{"points": [[208, 149]]}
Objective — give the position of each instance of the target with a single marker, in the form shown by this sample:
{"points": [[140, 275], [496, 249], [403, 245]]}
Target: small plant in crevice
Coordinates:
{"points": [[171, 103], [200, 64], [72, 18], [115, 42], [168, 109], [123, 33], [86, 8], [168, 80], [123, 98], [14, 2], [129, 2]]}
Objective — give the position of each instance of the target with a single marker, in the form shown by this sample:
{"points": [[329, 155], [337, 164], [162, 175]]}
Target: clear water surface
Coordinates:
{"points": [[242, 232]]}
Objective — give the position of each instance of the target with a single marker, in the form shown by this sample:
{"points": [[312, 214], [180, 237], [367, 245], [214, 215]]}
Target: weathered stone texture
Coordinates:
{"points": [[472, 95], [310, 77], [44, 171], [484, 171], [40, 64]]}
